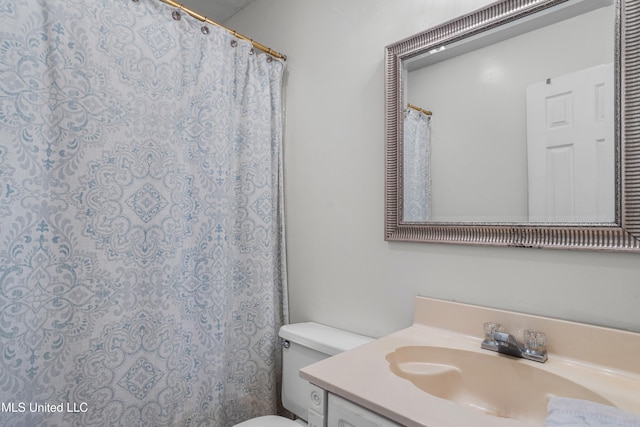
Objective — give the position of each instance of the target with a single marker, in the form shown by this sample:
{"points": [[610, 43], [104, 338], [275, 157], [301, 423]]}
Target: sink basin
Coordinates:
{"points": [[494, 384]]}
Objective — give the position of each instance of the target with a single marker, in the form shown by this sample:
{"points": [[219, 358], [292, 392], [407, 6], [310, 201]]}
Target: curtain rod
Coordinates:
{"points": [[427, 112], [199, 17]]}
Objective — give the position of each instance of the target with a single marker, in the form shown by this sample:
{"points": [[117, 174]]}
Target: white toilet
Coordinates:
{"points": [[304, 344]]}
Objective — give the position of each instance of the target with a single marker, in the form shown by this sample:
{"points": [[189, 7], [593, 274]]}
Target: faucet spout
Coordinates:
{"points": [[508, 344]]}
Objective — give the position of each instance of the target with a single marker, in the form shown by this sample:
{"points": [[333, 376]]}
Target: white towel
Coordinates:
{"points": [[567, 412]]}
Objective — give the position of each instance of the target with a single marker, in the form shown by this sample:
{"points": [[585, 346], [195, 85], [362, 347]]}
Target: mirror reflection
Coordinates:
{"points": [[516, 125]]}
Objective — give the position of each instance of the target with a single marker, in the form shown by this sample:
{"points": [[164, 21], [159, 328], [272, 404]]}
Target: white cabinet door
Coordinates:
{"points": [[342, 413]]}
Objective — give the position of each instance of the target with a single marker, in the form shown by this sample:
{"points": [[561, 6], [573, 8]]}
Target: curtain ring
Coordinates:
{"points": [[234, 43], [204, 29], [176, 15]]}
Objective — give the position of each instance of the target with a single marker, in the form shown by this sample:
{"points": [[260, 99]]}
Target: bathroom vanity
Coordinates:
{"points": [[435, 373]]}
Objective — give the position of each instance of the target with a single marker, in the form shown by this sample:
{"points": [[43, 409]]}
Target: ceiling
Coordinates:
{"points": [[216, 10]]}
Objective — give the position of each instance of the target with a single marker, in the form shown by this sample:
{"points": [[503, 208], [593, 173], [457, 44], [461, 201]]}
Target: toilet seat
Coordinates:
{"points": [[269, 421]]}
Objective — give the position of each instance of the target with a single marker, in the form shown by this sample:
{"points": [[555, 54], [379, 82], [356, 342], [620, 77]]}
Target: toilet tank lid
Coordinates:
{"points": [[322, 338]]}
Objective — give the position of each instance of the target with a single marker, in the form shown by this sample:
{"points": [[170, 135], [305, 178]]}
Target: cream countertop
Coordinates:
{"points": [[363, 376]]}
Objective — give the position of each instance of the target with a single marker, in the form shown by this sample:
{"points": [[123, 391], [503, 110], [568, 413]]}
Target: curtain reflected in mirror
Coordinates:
{"points": [[417, 170]]}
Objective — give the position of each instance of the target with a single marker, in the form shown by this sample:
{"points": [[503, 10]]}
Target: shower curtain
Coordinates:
{"points": [[416, 166], [142, 278]]}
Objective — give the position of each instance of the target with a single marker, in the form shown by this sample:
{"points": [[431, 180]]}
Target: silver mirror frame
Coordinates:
{"points": [[621, 235]]}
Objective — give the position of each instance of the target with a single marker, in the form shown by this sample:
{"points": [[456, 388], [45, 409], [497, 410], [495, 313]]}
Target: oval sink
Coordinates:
{"points": [[497, 385]]}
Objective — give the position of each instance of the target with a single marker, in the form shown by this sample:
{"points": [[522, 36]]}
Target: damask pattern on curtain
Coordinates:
{"points": [[142, 275], [416, 166]]}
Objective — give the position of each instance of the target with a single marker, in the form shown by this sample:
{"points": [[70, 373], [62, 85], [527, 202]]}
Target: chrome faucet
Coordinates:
{"points": [[533, 348]]}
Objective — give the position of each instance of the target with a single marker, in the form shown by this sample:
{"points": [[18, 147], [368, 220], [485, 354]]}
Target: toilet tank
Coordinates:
{"points": [[307, 343]]}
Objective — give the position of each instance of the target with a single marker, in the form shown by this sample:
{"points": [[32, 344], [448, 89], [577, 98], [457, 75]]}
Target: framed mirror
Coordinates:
{"points": [[517, 125]]}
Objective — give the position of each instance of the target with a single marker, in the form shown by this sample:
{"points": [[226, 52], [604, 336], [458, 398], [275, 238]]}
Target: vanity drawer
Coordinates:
{"points": [[341, 412]]}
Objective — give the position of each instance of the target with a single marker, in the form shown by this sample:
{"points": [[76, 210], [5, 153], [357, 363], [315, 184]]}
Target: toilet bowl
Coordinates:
{"points": [[271, 421], [304, 344]]}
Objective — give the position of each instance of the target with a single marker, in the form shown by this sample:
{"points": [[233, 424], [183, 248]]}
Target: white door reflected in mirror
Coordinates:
{"points": [[570, 142]]}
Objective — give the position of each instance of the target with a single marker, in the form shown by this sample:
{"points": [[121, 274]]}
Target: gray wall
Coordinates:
{"points": [[341, 271]]}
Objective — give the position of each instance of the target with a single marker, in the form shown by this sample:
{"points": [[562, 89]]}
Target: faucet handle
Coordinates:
{"points": [[489, 342], [490, 329], [535, 341]]}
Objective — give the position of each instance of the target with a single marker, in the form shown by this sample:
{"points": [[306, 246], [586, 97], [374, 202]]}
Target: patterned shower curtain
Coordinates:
{"points": [[416, 166], [142, 278]]}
